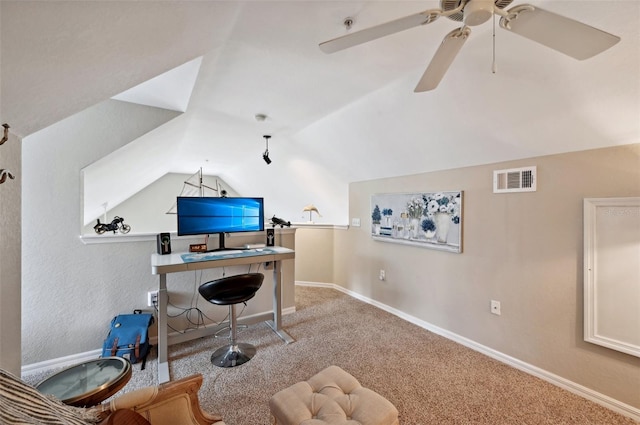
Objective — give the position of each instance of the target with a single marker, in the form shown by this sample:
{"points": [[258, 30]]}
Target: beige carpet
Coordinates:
{"points": [[431, 380]]}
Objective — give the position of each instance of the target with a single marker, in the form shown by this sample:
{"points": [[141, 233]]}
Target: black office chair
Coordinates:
{"points": [[232, 290]]}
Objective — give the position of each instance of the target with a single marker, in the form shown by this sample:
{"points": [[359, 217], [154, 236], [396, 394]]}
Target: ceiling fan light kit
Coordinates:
{"points": [[565, 35], [478, 12]]}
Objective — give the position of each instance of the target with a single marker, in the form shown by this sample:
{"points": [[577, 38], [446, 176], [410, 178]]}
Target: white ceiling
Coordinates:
{"points": [[171, 90], [334, 119]]}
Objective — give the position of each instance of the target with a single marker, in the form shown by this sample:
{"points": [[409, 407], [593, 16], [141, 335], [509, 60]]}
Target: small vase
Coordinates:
{"points": [[415, 228], [442, 221], [398, 227], [429, 234]]}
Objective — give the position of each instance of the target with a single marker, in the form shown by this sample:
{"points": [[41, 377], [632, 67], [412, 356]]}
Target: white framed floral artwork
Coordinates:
{"points": [[426, 219]]}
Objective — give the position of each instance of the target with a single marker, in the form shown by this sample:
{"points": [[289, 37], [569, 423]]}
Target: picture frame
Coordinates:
{"points": [[425, 219]]}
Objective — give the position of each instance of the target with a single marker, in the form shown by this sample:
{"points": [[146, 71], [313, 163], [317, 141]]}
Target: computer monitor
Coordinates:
{"points": [[210, 215]]}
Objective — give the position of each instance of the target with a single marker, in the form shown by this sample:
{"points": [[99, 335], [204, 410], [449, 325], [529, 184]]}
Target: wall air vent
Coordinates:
{"points": [[515, 180]]}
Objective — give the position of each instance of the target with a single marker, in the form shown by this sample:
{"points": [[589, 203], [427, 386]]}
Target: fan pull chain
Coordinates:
{"points": [[494, 65]]}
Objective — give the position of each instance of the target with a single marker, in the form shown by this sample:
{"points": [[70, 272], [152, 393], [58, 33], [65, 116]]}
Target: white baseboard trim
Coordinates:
{"points": [[174, 338], [60, 362], [589, 394]]}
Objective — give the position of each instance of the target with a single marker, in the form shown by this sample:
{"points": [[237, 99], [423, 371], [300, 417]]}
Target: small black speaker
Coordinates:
{"points": [[164, 243], [271, 237]]}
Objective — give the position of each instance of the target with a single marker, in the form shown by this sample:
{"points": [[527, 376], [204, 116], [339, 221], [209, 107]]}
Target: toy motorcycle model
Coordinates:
{"points": [[116, 224]]}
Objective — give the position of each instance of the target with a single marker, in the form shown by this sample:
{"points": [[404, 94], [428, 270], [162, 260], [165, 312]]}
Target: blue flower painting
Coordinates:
{"points": [[426, 219]]}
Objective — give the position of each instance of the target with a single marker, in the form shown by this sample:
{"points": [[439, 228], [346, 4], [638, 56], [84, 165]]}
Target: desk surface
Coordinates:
{"points": [[185, 261], [161, 265]]}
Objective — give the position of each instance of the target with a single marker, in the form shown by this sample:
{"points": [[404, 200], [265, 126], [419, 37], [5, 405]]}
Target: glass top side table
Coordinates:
{"points": [[88, 383]]}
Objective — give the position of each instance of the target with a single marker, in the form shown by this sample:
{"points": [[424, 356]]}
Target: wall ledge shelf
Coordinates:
{"points": [[318, 226], [147, 237], [108, 238]]}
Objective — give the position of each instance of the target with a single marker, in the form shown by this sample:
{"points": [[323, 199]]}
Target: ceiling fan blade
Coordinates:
{"points": [[565, 35], [381, 30], [443, 58]]}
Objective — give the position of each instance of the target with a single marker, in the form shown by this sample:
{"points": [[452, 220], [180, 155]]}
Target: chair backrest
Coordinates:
{"points": [[231, 289], [23, 404]]}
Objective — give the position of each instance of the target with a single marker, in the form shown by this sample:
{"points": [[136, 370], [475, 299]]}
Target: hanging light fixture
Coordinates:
{"points": [[265, 155]]}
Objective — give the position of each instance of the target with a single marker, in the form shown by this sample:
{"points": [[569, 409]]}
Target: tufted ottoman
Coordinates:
{"points": [[334, 397]]}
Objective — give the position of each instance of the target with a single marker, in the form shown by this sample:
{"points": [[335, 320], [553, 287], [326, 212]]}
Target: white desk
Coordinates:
{"points": [[183, 262]]}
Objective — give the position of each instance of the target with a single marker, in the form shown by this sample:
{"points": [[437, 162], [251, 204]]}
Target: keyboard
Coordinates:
{"points": [[200, 256]]}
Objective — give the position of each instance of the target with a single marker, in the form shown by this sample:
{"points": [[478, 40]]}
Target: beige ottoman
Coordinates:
{"points": [[331, 397]]}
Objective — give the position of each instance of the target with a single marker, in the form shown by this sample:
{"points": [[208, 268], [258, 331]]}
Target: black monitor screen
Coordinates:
{"points": [[206, 215]]}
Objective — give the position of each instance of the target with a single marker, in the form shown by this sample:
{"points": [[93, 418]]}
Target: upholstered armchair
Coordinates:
{"points": [[171, 403]]}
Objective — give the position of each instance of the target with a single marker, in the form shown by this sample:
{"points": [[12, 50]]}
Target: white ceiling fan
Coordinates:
{"points": [[557, 32]]}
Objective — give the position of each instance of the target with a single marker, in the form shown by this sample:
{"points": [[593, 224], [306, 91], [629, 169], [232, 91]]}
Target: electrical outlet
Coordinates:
{"points": [[382, 275], [495, 307], [152, 298]]}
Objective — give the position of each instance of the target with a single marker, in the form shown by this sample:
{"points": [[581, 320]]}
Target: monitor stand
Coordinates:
{"points": [[221, 246]]}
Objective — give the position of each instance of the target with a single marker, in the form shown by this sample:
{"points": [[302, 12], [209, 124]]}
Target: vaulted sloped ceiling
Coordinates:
{"points": [[171, 90], [60, 57], [122, 173], [143, 160], [336, 118]]}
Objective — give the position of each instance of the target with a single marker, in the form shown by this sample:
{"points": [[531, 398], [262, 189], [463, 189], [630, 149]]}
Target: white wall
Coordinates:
{"points": [[146, 210], [70, 291]]}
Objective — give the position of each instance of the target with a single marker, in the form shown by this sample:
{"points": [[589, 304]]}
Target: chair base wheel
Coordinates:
{"points": [[233, 355]]}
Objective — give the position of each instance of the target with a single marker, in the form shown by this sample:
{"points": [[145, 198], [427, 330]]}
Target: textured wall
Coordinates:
{"points": [[10, 250], [523, 249]]}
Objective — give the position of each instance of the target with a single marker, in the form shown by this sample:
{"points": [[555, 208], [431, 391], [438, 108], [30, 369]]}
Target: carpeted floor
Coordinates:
{"points": [[430, 379]]}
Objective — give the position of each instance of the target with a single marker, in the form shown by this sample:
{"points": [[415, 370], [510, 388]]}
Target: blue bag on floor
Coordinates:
{"points": [[129, 337]]}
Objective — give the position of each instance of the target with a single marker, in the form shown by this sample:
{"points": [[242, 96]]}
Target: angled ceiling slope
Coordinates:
{"points": [[171, 90], [59, 58], [136, 169]]}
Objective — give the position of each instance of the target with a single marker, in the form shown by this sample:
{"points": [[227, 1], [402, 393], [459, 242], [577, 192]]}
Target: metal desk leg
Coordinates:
{"points": [[276, 324], [163, 357]]}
